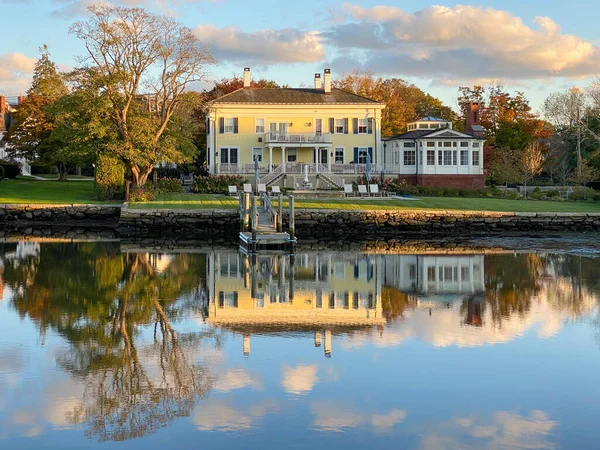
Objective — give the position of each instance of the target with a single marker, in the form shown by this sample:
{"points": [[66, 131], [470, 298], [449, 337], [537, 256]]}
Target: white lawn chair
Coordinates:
{"points": [[362, 190], [275, 190], [349, 190], [247, 188], [374, 188], [262, 188], [233, 190]]}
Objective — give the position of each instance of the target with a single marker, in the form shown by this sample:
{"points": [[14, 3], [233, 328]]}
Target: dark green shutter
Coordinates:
{"points": [[221, 125], [346, 126], [370, 126], [355, 155], [331, 125], [371, 153], [208, 125], [355, 125], [235, 125]]}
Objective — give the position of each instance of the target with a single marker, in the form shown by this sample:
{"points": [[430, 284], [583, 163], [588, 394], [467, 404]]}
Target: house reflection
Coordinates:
{"points": [[320, 294]]}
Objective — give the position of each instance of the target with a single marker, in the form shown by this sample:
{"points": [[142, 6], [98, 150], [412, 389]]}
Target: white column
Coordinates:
{"points": [[283, 159], [378, 144], [317, 159], [270, 158], [329, 158]]}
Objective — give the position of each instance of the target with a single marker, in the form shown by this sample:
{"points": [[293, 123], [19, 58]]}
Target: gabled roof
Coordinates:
{"points": [[295, 96], [439, 133]]}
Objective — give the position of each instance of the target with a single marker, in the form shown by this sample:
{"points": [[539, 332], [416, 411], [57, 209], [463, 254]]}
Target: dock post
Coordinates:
{"points": [[242, 198], [246, 211], [280, 213], [253, 219], [291, 218]]}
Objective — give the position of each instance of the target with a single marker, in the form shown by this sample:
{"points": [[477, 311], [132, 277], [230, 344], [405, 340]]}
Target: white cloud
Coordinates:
{"points": [[329, 416], [73, 8], [262, 47], [299, 380], [16, 70], [237, 379], [222, 416], [457, 42]]}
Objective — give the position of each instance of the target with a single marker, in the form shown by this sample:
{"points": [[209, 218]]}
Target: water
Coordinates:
{"points": [[105, 345]]}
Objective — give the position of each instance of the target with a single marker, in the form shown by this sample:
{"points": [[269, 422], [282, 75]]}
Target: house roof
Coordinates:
{"points": [[305, 96], [439, 133], [431, 119]]}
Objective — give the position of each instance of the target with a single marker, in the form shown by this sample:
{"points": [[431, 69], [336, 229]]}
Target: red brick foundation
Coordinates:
{"points": [[454, 181]]}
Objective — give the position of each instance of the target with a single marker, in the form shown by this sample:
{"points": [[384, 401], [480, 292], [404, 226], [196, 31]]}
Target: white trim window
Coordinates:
{"points": [[464, 157], [410, 145], [431, 157], [464, 144], [257, 154], [447, 157], [259, 126], [340, 126], [228, 155], [475, 157], [292, 155], [362, 126], [475, 144], [362, 155], [229, 125], [339, 155], [409, 157]]}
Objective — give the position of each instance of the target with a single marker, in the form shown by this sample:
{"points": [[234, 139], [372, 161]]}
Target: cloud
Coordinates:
{"points": [[262, 47], [16, 70], [457, 42], [237, 379], [332, 417], [299, 380], [68, 9], [501, 430], [220, 415]]}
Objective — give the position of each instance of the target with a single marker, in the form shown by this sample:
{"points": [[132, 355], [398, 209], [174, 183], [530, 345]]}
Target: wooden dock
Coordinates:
{"points": [[262, 225]]}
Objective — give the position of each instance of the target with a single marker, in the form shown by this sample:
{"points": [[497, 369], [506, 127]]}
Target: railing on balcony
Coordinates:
{"points": [[299, 168], [298, 138], [241, 168]]}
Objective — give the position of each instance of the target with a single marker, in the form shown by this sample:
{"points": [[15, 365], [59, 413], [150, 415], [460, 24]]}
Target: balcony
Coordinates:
{"points": [[298, 139]]}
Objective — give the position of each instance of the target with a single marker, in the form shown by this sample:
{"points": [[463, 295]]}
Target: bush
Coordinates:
{"points": [[552, 194], [536, 194], [42, 169], [584, 193], [169, 186], [145, 193], [216, 184], [110, 179], [10, 170]]}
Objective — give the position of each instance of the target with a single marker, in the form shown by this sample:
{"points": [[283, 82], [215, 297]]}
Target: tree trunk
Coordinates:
{"points": [[525, 189], [140, 175], [62, 172]]}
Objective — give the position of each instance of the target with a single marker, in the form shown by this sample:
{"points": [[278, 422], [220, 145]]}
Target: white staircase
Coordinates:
{"points": [[273, 176], [332, 180]]}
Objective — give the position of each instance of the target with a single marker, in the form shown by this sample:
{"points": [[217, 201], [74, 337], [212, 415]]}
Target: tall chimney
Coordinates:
{"points": [[472, 116], [2, 104], [327, 81], [247, 77], [20, 99], [318, 84]]}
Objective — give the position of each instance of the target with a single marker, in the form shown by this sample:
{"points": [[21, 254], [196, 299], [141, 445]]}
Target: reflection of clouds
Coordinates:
{"points": [[503, 430], [237, 379], [445, 327], [219, 415], [299, 380], [336, 417]]}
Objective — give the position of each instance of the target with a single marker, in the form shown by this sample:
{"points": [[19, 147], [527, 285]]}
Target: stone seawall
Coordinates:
{"points": [[60, 214], [317, 223]]}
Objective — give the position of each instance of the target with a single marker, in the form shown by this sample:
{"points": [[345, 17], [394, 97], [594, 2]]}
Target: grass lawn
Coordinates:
{"points": [[27, 190], [54, 176], [195, 201]]}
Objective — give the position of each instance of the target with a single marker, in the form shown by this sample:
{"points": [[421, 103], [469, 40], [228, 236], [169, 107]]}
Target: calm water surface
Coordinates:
{"points": [[103, 345]]}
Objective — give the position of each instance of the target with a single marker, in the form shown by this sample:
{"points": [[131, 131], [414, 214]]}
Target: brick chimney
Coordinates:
{"points": [[247, 77], [473, 118], [327, 81], [20, 99], [2, 104], [318, 84]]}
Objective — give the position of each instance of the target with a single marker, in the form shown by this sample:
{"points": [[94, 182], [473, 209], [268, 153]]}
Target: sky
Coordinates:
{"points": [[534, 46]]}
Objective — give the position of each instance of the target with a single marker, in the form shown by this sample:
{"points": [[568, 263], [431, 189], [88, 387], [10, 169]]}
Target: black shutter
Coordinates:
{"points": [[208, 125], [355, 125], [221, 125], [355, 155], [235, 125], [331, 125], [370, 126], [235, 299], [371, 153], [346, 125], [221, 299]]}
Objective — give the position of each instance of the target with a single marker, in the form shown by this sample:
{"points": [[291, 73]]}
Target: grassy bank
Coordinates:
{"points": [[27, 190]]}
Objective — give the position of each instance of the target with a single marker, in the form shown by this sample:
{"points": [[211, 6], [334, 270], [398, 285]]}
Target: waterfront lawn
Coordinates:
{"points": [[29, 190], [188, 201]]}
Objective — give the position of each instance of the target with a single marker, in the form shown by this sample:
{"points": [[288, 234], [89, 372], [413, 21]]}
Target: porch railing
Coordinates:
{"points": [[298, 138]]}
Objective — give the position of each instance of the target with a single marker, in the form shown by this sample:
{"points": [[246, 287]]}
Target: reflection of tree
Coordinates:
{"points": [[394, 303], [100, 300]]}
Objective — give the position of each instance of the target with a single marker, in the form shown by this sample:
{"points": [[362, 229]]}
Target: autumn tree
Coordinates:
{"points": [[31, 136], [531, 163], [131, 49], [505, 166]]}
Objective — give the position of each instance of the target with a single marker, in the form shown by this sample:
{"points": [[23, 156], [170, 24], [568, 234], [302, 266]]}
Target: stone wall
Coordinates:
{"points": [[449, 181], [310, 223], [13, 215]]}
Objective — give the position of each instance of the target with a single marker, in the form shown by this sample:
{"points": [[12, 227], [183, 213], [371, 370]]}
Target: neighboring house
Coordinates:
{"points": [[6, 120], [323, 130], [445, 157]]}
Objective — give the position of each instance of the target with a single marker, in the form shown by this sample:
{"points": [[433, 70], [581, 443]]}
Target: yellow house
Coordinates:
{"points": [[323, 131]]}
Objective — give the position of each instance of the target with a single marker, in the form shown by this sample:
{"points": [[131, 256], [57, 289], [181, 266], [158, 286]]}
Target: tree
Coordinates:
{"points": [[504, 166], [130, 48], [404, 102], [558, 162], [532, 163], [585, 173], [31, 136]]}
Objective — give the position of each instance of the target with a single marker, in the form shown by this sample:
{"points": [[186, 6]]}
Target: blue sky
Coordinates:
{"points": [[535, 46]]}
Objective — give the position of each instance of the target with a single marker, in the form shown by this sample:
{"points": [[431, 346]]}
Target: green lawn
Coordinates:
{"points": [[28, 190], [54, 176], [188, 201]]}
